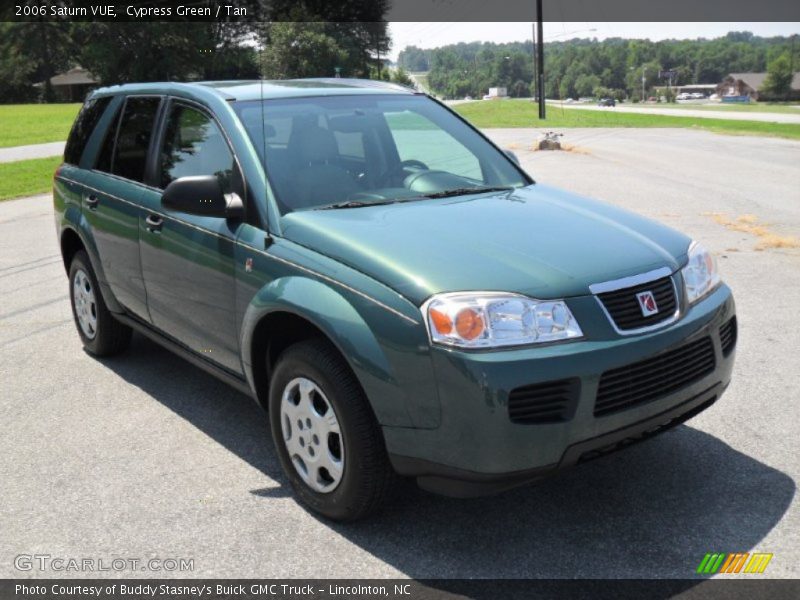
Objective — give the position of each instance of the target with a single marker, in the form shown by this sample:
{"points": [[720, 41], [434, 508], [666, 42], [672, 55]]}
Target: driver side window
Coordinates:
{"points": [[419, 139], [194, 145]]}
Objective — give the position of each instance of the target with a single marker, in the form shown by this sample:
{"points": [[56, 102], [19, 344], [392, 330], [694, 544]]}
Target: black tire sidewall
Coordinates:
{"points": [[340, 503]]}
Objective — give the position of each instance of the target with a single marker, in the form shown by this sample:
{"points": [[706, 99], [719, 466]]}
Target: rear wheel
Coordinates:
{"points": [[326, 436], [101, 333]]}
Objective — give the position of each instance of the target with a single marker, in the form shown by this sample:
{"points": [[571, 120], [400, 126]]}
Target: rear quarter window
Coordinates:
{"points": [[83, 127]]}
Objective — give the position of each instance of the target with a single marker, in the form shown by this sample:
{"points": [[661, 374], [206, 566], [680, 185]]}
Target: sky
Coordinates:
{"points": [[431, 35]]}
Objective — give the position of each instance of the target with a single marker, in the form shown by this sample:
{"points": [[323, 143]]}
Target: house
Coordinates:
{"points": [[749, 85], [73, 85]]}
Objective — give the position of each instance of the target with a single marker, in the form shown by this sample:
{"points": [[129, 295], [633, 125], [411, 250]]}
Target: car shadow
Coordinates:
{"points": [[650, 511]]}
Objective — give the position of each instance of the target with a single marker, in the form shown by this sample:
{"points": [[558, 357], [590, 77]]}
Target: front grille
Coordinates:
{"points": [[727, 336], [674, 422], [655, 377], [550, 402], [623, 306]]}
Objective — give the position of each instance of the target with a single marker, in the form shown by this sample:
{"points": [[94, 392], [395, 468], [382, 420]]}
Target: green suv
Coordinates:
{"points": [[395, 290]]}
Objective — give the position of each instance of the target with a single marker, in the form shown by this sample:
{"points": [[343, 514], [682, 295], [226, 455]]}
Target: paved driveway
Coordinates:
{"points": [[146, 456], [15, 153]]}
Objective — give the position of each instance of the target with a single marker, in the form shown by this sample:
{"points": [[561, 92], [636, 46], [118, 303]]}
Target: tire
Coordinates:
{"points": [[359, 484], [101, 333]]}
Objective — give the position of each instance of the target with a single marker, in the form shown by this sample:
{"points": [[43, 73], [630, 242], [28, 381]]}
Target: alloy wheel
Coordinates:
{"points": [[312, 435], [85, 303]]}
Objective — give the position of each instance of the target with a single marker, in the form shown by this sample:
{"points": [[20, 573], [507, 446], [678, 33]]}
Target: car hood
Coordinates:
{"points": [[539, 241]]}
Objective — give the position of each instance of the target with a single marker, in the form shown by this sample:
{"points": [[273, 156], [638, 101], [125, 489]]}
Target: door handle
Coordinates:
{"points": [[154, 222], [91, 201]]}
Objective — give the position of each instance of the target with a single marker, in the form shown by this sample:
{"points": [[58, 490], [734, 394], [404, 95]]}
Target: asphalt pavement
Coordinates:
{"points": [[144, 456], [15, 153]]}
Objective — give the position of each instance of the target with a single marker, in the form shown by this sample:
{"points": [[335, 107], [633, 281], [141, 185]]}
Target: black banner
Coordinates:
{"points": [[406, 10], [398, 589]]}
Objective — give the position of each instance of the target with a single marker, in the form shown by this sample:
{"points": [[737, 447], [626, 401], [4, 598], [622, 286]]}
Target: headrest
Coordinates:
{"points": [[312, 144]]}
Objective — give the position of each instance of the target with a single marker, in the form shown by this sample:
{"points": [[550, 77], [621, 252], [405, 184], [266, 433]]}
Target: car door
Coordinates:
{"points": [[113, 191], [188, 260]]}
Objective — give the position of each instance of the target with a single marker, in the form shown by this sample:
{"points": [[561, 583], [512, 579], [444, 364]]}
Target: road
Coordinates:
{"points": [[15, 153], [146, 456], [721, 113]]}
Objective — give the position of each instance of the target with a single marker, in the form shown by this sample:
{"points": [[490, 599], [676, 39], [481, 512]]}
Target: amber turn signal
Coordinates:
{"points": [[441, 322], [469, 324]]}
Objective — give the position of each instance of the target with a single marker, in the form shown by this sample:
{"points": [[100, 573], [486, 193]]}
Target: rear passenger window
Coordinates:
{"points": [[133, 139], [194, 145], [103, 162], [83, 127]]}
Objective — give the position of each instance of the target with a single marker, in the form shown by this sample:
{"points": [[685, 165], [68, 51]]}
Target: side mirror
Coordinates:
{"points": [[512, 156], [202, 195]]}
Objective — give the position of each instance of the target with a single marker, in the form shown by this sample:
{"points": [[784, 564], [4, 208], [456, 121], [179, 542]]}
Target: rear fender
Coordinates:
{"points": [[75, 221]]}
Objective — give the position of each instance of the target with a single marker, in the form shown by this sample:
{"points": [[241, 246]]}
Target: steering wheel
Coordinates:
{"points": [[398, 169]]}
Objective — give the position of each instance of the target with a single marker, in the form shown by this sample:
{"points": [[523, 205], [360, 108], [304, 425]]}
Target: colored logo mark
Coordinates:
{"points": [[734, 562]]}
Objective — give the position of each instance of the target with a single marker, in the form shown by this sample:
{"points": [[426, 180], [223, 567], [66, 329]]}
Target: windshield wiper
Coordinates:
{"points": [[464, 191], [444, 194], [353, 204]]}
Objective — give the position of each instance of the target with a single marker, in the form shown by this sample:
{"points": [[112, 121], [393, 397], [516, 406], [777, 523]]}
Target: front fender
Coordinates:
{"points": [[382, 355]]}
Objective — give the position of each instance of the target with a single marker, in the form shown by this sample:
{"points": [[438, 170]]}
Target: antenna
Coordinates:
{"points": [[268, 238]]}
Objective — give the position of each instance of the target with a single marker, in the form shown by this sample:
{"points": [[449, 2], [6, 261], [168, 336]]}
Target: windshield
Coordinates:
{"points": [[350, 151]]}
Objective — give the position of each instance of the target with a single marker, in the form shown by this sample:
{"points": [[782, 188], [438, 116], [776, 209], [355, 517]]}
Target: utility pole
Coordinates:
{"points": [[535, 83], [540, 58]]}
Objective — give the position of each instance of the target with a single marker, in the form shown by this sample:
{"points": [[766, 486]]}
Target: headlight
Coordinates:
{"points": [[489, 320], [700, 275]]}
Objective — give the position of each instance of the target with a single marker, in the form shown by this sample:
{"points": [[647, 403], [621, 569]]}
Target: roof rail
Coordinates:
{"points": [[363, 83]]}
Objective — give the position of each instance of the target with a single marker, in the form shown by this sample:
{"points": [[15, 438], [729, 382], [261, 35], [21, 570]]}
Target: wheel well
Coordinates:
{"points": [[70, 244], [273, 334]]}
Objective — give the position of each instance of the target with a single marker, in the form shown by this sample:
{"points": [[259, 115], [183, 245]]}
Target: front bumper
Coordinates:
{"points": [[478, 449]]}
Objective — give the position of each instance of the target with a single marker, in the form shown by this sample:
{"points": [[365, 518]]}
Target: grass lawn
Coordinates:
{"points": [[23, 124], [524, 113], [27, 177]]}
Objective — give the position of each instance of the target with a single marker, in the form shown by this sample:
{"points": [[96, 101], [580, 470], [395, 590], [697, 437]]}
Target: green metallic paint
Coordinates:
{"points": [[360, 276], [476, 434], [537, 241], [377, 331]]}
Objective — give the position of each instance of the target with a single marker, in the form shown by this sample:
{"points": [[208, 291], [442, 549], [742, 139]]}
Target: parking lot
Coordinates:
{"points": [[145, 456]]}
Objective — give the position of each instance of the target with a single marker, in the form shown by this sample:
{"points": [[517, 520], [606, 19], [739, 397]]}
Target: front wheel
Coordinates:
{"points": [[101, 333], [326, 436]]}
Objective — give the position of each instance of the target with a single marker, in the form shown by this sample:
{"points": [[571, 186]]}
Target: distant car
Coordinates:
{"points": [[698, 96], [607, 102], [569, 101], [683, 96], [467, 97], [488, 97]]}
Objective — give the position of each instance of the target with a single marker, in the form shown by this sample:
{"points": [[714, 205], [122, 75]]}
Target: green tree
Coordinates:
{"points": [[585, 84], [414, 59], [778, 83], [129, 52], [400, 76], [33, 53], [352, 33], [298, 49]]}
